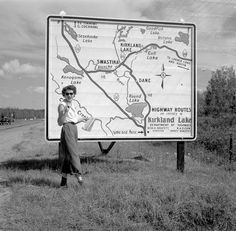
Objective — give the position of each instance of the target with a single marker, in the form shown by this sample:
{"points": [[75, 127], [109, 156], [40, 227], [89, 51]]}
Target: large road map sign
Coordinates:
{"points": [[136, 79]]}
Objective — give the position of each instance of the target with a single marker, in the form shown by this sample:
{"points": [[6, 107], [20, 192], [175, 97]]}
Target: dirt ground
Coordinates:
{"points": [[24, 140], [19, 140]]}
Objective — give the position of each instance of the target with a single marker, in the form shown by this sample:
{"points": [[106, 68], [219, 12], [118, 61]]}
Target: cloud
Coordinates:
{"points": [[6, 96], [14, 67], [39, 89], [104, 8], [229, 26]]}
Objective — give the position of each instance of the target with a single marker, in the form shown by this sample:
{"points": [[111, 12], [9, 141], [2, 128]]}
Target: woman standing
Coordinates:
{"points": [[68, 118]]}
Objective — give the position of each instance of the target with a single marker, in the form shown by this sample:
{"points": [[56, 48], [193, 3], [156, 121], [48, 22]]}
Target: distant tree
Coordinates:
{"points": [[221, 92], [201, 103], [17, 113]]}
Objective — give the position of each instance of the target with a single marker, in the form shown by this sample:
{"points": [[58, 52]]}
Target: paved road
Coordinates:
{"points": [[18, 123], [11, 136]]}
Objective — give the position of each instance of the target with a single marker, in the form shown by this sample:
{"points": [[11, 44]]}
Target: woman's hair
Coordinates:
{"points": [[69, 87]]}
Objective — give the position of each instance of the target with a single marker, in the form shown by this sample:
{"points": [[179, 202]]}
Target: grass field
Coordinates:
{"points": [[118, 194]]}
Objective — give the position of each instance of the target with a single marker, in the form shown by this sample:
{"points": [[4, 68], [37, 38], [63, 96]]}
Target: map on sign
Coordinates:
{"points": [[134, 79]]}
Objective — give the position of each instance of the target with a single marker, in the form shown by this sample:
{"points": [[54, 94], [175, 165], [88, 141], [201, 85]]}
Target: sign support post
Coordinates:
{"points": [[180, 156], [230, 148], [106, 150]]}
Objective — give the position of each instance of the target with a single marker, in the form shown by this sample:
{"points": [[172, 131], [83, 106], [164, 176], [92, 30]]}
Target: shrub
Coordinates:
{"points": [[214, 133]]}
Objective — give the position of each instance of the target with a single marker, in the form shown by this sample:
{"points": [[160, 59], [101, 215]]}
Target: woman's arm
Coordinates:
{"points": [[61, 114], [82, 119]]}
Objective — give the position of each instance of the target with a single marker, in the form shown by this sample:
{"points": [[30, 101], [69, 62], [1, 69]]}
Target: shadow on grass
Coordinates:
{"points": [[31, 164], [36, 164], [49, 163], [22, 176], [30, 180], [53, 163]]}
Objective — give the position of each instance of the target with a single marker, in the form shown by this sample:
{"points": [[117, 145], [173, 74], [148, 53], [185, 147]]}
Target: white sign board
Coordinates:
{"points": [[135, 78]]}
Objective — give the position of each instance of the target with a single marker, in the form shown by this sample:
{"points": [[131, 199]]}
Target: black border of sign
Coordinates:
{"points": [[113, 20]]}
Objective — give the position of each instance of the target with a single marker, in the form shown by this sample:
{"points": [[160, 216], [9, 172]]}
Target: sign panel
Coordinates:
{"points": [[135, 80]]}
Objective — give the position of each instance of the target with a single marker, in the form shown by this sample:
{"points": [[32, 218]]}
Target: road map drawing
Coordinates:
{"points": [[136, 79]]}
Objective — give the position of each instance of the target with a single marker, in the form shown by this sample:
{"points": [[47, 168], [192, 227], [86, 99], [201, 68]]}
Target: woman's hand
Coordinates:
{"points": [[84, 119], [67, 108]]}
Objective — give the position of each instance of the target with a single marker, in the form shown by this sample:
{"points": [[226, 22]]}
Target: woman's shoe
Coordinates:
{"points": [[79, 178], [63, 182]]}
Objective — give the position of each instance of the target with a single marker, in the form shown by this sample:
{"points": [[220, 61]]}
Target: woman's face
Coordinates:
{"points": [[69, 95]]}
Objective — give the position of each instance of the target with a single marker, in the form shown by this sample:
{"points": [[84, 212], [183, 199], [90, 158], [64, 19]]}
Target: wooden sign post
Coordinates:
{"points": [[180, 156], [232, 144]]}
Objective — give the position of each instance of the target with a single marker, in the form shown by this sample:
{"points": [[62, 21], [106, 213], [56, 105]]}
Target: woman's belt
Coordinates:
{"points": [[70, 123]]}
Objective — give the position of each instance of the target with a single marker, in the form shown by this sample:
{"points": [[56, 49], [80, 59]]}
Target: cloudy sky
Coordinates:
{"points": [[23, 27]]}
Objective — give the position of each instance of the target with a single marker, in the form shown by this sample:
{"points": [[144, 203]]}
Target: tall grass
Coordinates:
{"points": [[122, 196], [214, 136]]}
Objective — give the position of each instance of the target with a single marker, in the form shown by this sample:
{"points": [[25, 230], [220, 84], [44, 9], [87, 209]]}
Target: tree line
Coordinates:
{"points": [[217, 113], [220, 95], [17, 113]]}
